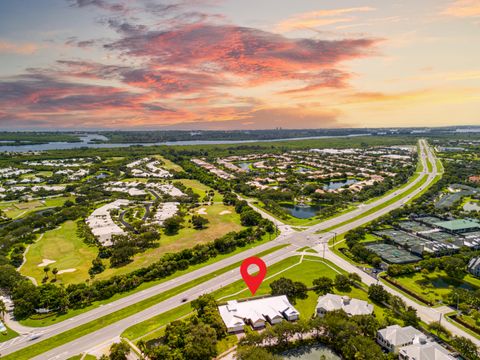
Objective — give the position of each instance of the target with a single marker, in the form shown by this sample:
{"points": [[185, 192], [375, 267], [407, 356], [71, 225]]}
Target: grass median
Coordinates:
{"points": [[75, 333]]}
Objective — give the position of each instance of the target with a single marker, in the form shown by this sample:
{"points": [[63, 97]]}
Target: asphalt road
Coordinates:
{"points": [[288, 236]]}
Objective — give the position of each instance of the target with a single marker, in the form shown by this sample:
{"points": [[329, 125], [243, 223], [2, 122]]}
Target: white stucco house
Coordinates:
{"points": [[352, 306], [237, 314], [393, 337]]}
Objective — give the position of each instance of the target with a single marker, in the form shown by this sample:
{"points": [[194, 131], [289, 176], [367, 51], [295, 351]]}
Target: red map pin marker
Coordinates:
{"points": [[253, 281]]}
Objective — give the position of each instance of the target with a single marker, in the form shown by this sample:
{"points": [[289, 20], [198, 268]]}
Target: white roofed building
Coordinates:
{"points": [[257, 312], [101, 223], [394, 337], [332, 302], [424, 350]]}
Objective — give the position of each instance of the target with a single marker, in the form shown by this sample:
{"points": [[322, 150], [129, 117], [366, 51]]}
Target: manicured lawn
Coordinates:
{"points": [[436, 285], [8, 335], [75, 333], [63, 246], [167, 164], [187, 237], [18, 209], [199, 188]]}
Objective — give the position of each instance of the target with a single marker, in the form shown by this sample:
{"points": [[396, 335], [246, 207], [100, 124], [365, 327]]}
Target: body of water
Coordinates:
{"points": [[317, 352], [301, 211], [89, 137], [472, 206], [302, 169], [244, 165], [334, 185]]}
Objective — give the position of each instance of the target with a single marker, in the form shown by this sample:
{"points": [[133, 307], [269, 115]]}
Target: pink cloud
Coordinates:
{"points": [[21, 49], [463, 9]]}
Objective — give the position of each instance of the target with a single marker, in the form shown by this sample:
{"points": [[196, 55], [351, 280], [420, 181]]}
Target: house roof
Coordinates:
{"points": [[397, 335], [351, 306], [426, 351], [238, 313]]}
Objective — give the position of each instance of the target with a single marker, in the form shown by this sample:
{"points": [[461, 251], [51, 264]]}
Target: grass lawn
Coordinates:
{"points": [[8, 335], [436, 285], [75, 333], [80, 357], [199, 188], [187, 237], [63, 246], [16, 209], [167, 164]]}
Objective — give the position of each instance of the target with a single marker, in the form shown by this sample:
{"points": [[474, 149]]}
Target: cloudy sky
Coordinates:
{"points": [[238, 64]]}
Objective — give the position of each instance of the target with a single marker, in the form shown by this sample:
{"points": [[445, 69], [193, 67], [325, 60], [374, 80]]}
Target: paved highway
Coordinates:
{"points": [[288, 236]]}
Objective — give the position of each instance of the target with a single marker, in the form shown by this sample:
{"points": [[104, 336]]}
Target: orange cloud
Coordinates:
{"points": [[314, 19], [463, 9], [21, 49]]}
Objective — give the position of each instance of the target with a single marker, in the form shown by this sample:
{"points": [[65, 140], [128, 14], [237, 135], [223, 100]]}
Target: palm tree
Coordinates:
{"points": [[3, 309], [46, 269], [55, 272]]}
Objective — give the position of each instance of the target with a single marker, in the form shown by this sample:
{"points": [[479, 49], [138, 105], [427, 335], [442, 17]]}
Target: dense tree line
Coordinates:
{"points": [[191, 339]]}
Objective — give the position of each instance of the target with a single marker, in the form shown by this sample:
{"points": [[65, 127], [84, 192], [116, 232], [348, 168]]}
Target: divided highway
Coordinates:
{"points": [[288, 236]]}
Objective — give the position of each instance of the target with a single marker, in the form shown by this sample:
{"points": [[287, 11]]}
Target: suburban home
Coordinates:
{"points": [[425, 350], [237, 314], [474, 266], [332, 302], [394, 337]]}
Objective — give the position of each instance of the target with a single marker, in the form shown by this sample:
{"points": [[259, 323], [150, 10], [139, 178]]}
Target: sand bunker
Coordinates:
{"points": [[66, 271], [46, 262], [225, 212], [202, 211]]}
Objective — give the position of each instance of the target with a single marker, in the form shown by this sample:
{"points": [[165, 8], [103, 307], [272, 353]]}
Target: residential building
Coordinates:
{"points": [[394, 337], [332, 302], [424, 350], [237, 314], [474, 266]]}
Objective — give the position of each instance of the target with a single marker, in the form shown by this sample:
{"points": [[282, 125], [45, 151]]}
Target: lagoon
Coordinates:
{"points": [[87, 138]]}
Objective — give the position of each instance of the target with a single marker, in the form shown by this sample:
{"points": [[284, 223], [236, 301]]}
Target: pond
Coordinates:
{"points": [[334, 185], [316, 352], [472, 206], [445, 283], [301, 211], [302, 169], [244, 165]]}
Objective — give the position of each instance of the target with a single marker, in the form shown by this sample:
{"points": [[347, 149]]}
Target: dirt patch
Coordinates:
{"points": [[225, 212]]}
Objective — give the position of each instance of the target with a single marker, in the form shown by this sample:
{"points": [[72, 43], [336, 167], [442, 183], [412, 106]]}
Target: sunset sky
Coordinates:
{"points": [[238, 64]]}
